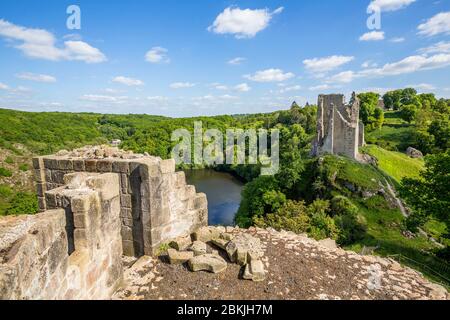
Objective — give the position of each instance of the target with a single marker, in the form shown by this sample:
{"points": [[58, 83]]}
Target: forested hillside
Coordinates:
{"points": [[326, 197]]}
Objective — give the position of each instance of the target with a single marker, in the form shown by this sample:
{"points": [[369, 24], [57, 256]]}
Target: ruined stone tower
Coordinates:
{"points": [[339, 130]]}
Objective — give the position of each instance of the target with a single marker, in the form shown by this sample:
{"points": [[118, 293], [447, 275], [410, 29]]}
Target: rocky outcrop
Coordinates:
{"points": [[414, 153]]}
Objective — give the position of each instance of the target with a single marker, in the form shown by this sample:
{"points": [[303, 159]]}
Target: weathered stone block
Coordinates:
{"points": [[179, 257], [41, 189], [38, 163], [65, 164], [125, 200], [107, 184], [78, 165], [90, 165], [121, 167], [207, 262], [127, 233], [167, 166], [51, 164], [181, 243], [104, 166]]}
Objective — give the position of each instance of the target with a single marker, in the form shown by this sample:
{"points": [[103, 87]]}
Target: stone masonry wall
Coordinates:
{"points": [[155, 203], [339, 130], [73, 252]]}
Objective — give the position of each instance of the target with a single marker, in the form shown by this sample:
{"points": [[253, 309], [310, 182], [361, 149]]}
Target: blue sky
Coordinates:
{"points": [[208, 57]]}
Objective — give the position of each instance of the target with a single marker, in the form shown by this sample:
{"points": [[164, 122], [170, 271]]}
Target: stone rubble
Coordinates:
{"points": [[292, 267]]}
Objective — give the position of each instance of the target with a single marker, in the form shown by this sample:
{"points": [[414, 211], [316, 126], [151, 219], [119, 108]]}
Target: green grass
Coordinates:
{"points": [[395, 135], [395, 164], [384, 229], [360, 175]]}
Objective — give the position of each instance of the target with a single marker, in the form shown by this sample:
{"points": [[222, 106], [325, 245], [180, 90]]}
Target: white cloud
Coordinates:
{"points": [[242, 23], [372, 36], [128, 81], [181, 85], [369, 64], [36, 77], [343, 77], [157, 55], [3, 86], [237, 61], [410, 64], [397, 40], [243, 87], [440, 47], [422, 86], [270, 75], [218, 86], [389, 5], [438, 24], [326, 64], [41, 44], [103, 98]]}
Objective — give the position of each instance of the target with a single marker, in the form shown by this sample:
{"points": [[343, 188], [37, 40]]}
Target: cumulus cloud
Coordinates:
{"points": [[388, 5], [157, 55], [270, 75], [242, 23], [369, 64], [243, 87], [4, 86], [41, 44], [343, 77], [326, 64], [438, 24], [36, 77], [128, 81], [159, 99], [397, 40], [372, 36], [410, 64], [237, 61], [440, 47], [181, 85]]}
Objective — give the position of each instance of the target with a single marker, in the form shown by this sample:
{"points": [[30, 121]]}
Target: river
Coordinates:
{"points": [[223, 192]]}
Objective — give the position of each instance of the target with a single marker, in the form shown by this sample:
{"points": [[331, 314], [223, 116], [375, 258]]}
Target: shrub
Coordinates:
{"points": [[352, 228], [23, 203], [342, 205], [323, 226], [5, 172], [291, 216], [23, 167]]}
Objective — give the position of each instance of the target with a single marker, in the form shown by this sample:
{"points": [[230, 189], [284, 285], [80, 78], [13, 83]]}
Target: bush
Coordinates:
{"points": [[322, 227], [5, 172], [341, 205], [352, 228], [23, 167], [23, 203], [291, 216]]}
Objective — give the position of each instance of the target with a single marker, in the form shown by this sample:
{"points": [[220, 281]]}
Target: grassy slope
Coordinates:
{"points": [[396, 134], [397, 165], [385, 224]]}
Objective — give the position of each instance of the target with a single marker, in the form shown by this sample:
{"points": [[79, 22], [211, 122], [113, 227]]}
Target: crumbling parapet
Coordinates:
{"points": [[339, 130], [73, 252], [156, 204]]}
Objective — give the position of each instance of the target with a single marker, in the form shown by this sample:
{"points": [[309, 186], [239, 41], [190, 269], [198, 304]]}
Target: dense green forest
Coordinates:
{"points": [[326, 197]]}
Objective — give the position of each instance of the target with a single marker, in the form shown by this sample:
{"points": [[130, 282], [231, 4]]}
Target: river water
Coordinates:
{"points": [[223, 192]]}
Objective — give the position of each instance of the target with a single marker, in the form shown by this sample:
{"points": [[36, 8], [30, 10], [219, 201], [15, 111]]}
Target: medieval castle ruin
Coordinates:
{"points": [[339, 130], [96, 204], [101, 206]]}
